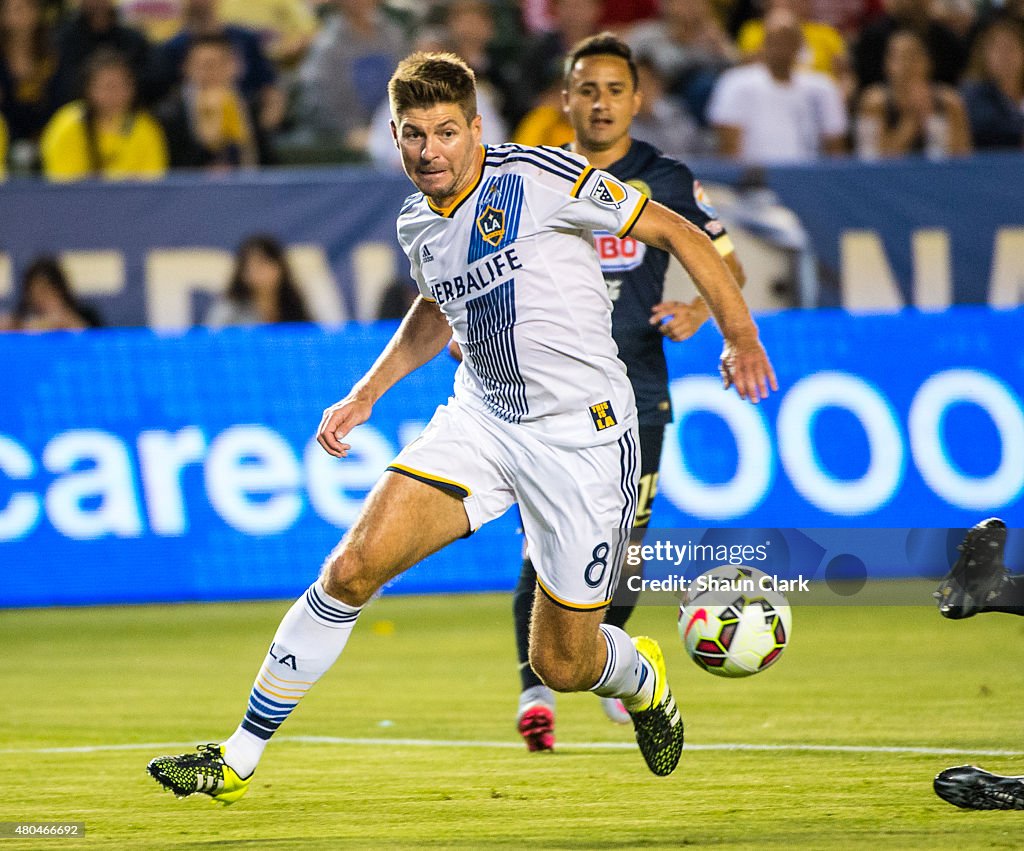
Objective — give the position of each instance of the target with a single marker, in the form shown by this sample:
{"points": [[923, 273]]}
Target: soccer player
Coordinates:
{"points": [[499, 242], [600, 97], [979, 582]]}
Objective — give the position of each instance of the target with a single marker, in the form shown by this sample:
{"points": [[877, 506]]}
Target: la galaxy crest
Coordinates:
{"points": [[491, 224]]}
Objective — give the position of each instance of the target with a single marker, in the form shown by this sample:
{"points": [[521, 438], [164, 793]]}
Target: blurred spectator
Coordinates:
{"points": [[823, 49], [846, 16], [994, 91], [28, 69], [663, 122], [619, 15], [689, 48], [46, 302], [546, 123], [959, 16], [948, 52], [104, 135], [157, 20], [541, 65], [262, 289], [207, 122], [469, 29], [344, 78], [258, 78], [772, 112], [285, 27], [910, 113], [95, 26]]}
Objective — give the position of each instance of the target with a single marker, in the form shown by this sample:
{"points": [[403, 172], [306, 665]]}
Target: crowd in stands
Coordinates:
{"points": [[132, 88]]}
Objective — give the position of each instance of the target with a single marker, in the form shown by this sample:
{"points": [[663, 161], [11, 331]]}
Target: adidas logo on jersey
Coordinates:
{"points": [[425, 255]]}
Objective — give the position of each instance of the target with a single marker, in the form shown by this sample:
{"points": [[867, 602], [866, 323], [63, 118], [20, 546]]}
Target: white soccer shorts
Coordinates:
{"points": [[577, 505]]}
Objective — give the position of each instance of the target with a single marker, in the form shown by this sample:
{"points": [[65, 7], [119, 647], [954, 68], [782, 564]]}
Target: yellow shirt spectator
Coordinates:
{"points": [[135, 149], [544, 125], [824, 48], [285, 27]]}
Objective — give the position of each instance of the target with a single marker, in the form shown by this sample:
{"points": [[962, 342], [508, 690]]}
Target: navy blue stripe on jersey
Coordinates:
{"points": [[541, 159], [556, 172], [491, 348], [628, 462], [410, 202], [554, 157], [503, 194], [570, 161]]}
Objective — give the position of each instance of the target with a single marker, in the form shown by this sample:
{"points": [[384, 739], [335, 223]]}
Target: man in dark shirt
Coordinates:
{"points": [[601, 99]]}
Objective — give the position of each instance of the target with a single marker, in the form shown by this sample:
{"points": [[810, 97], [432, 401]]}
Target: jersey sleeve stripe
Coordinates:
{"points": [[640, 207], [533, 158], [724, 244], [428, 298], [553, 156], [574, 164], [567, 178], [589, 170]]}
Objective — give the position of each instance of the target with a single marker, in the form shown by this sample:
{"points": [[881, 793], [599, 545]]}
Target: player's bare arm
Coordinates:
{"points": [[744, 362], [680, 320], [422, 334]]}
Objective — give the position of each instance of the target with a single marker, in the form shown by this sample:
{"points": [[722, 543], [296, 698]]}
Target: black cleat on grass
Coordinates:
{"points": [[977, 575], [658, 727], [202, 772], [972, 788]]}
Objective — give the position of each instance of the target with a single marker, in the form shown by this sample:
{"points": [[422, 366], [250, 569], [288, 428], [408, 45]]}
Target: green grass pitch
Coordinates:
{"points": [[439, 673]]}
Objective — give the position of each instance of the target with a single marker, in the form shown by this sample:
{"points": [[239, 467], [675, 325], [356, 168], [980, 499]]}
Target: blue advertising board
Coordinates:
{"points": [[139, 467]]}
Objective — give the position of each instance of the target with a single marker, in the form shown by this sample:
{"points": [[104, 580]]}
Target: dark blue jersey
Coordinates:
{"points": [[635, 272]]}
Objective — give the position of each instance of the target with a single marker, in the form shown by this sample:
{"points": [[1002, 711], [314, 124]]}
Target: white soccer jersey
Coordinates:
{"points": [[512, 265]]}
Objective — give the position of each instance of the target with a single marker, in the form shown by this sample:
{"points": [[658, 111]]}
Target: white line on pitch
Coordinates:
{"points": [[567, 746]]}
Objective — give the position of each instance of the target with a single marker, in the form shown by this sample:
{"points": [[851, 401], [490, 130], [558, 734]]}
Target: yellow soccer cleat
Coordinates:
{"points": [[658, 726], [203, 772]]}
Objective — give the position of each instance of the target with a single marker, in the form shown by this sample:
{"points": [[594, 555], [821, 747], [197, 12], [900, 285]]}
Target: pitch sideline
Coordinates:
{"points": [[515, 745]]}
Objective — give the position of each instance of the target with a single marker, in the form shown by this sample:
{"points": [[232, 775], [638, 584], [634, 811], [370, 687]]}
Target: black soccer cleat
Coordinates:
{"points": [[203, 772], [658, 727], [972, 788], [978, 574]]}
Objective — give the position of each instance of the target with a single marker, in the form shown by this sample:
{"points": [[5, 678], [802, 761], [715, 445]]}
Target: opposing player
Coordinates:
{"points": [[979, 582], [499, 242], [601, 98]]}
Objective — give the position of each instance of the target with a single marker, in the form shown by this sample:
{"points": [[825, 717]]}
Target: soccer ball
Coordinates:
{"points": [[733, 623]]}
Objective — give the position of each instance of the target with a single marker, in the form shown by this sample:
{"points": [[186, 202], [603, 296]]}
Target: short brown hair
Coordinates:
{"points": [[425, 79], [602, 44]]}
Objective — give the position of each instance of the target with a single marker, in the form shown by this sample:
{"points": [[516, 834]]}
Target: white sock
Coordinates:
{"points": [[626, 674], [309, 640]]}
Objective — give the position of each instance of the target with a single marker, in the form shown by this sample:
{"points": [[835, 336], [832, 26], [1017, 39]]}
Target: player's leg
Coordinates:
{"points": [[627, 594], [445, 483], [573, 650], [979, 581], [535, 714], [972, 788], [402, 522], [577, 507]]}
